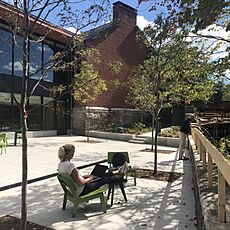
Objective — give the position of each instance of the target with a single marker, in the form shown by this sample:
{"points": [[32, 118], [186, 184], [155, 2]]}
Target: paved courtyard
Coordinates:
{"points": [[151, 204]]}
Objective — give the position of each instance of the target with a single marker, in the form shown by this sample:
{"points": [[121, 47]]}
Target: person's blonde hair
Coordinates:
{"points": [[65, 149]]}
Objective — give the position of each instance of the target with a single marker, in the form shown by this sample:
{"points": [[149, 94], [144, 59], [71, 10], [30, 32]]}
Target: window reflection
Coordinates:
{"points": [[5, 111], [48, 63], [16, 113], [34, 108], [5, 52], [35, 60], [48, 113], [18, 55]]}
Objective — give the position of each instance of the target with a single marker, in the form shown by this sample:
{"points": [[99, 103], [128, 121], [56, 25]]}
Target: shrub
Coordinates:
{"points": [[224, 146], [172, 131]]}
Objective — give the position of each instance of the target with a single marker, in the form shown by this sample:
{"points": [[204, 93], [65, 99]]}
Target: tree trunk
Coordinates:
{"points": [[155, 150], [24, 174], [88, 123], [24, 114], [152, 131]]}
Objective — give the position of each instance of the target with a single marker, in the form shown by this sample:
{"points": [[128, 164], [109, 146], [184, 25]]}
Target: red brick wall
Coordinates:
{"points": [[119, 45]]}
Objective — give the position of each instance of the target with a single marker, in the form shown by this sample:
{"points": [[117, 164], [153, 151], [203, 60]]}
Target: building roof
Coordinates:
{"points": [[7, 11], [99, 31]]}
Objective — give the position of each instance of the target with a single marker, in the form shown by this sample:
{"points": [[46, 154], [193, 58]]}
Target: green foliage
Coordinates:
{"points": [[224, 146], [175, 71], [115, 67], [207, 20], [173, 131], [136, 128], [87, 85]]}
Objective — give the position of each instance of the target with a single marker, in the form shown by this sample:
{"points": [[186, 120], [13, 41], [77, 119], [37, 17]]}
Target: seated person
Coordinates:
{"points": [[84, 183]]}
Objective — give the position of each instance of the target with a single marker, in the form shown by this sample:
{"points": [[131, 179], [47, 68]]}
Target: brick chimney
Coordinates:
{"points": [[124, 14]]}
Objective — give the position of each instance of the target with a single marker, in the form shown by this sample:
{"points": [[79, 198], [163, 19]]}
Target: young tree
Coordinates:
{"points": [[25, 19], [87, 93], [207, 20], [175, 72]]}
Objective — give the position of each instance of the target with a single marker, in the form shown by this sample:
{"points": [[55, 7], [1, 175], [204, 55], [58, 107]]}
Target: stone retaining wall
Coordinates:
{"points": [[99, 118]]}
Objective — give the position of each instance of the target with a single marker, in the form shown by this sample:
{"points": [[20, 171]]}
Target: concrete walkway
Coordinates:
{"points": [[151, 204]]}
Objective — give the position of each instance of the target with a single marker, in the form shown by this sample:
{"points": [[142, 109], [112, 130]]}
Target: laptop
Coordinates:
{"points": [[98, 172]]}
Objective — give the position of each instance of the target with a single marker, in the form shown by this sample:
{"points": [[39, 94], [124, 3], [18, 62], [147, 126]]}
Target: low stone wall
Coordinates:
{"points": [[164, 141], [41, 133], [98, 118], [112, 136]]}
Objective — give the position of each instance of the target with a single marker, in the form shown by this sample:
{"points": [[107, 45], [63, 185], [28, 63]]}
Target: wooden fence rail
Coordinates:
{"points": [[209, 155]]}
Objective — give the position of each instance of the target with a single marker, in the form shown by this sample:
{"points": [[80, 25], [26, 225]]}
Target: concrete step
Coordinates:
{"points": [[137, 140]]}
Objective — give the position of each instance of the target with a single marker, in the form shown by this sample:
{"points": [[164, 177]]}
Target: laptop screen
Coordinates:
{"points": [[99, 170]]}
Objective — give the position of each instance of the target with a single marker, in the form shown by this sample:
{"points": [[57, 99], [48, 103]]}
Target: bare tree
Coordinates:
{"points": [[27, 19]]}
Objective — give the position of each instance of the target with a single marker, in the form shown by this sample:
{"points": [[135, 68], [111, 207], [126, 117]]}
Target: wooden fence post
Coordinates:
{"points": [[221, 197], [203, 155], [210, 165], [198, 148]]}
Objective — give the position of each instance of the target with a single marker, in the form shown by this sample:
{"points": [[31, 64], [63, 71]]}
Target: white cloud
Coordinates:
{"points": [[142, 22], [72, 29], [215, 31]]}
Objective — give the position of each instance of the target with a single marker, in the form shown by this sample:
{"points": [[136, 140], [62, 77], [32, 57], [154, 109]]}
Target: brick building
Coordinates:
{"points": [[117, 43]]}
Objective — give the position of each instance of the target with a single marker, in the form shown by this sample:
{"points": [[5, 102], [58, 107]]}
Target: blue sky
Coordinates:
{"points": [[144, 17]]}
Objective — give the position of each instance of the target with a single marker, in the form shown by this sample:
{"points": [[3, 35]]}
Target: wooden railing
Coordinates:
{"points": [[209, 155]]}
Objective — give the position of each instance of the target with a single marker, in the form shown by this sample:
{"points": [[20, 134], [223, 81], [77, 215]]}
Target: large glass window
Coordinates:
{"points": [[48, 63], [34, 117], [5, 52], [18, 56], [48, 113], [5, 111], [35, 59], [16, 113]]}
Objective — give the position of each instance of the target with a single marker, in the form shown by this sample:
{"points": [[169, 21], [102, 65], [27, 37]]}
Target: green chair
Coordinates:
{"points": [[130, 170], [3, 141], [70, 193]]}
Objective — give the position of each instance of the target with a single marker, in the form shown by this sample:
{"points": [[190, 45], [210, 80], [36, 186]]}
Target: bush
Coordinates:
{"points": [[173, 131], [224, 146], [136, 128]]}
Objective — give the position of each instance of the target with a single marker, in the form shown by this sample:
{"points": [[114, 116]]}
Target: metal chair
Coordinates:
{"points": [[130, 170]]}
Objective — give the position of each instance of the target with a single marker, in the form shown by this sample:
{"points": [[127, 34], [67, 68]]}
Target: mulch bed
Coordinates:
{"points": [[164, 151], [160, 175], [13, 223], [90, 141]]}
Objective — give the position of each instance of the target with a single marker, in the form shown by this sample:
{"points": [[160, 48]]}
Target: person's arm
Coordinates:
{"points": [[79, 179]]}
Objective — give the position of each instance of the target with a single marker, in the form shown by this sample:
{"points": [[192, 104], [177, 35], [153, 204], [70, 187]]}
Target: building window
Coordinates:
{"points": [[5, 52], [16, 113], [48, 63], [35, 60], [5, 111], [34, 117], [18, 56], [48, 113]]}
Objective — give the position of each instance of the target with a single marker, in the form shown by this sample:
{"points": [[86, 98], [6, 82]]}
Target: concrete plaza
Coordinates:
{"points": [[151, 204]]}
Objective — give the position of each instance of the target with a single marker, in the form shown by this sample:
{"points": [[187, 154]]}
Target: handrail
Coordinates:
{"points": [[207, 149], [221, 162], [46, 176]]}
